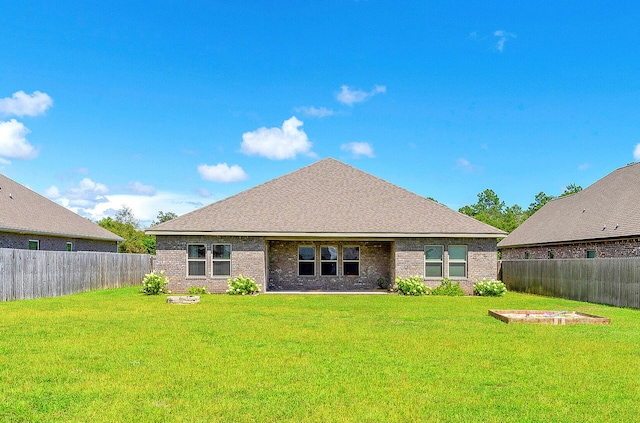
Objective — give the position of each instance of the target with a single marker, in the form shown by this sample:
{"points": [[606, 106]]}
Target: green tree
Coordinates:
{"points": [[540, 200], [127, 226], [493, 211], [163, 217], [571, 189]]}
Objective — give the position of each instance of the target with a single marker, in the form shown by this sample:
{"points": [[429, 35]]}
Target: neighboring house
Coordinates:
{"points": [[602, 220], [327, 226], [31, 221]]}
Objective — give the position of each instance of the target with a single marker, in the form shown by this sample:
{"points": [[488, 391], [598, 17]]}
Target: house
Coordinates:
{"points": [[31, 221], [329, 227], [602, 220]]}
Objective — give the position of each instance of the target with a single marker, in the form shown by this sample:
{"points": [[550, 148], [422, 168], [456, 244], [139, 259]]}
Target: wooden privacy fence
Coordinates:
{"points": [[26, 274], [613, 281]]}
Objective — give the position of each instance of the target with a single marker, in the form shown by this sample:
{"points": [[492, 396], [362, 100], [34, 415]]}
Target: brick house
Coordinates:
{"points": [[327, 226], [603, 220], [31, 221]]}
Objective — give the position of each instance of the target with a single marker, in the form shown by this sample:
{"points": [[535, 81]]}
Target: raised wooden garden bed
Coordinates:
{"points": [[548, 317]]}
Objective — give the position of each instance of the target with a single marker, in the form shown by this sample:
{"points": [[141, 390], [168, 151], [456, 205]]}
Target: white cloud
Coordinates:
{"points": [[222, 173], [349, 97], [52, 192], [140, 188], [636, 153], [358, 149], [465, 166], [23, 104], [13, 141], [584, 166], [503, 36], [315, 111], [277, 143], [94, 201]]}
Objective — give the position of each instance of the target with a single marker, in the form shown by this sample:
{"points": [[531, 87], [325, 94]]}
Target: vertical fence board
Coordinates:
{"points": [[28, 274], [613, 281]]}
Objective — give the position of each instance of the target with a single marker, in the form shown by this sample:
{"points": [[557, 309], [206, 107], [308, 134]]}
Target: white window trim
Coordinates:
{"points": [[67, 246], [350, 261], [458, 261], [213, 259], [441, 261], [37, 241], [307, 261], [197, 259]]}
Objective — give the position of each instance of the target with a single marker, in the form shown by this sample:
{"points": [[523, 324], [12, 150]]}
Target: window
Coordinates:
{"points": [[591, 254], [34, 244], [196, 259], [433, 261], [221, 260], [527, 256], [458, 261], [328, 261], [550, 254], [306, 261], [351, 261], [69, 246]]}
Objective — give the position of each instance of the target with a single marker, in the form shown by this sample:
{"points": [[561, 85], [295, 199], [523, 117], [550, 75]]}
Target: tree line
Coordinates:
{"points": [[493, 211], [125, 224]]}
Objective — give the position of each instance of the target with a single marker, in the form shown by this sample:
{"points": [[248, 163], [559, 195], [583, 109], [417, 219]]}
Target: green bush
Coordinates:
{"points": [[489, 288], [449, 288], [242, 286], [155, 283], [413, 285], [383, 283], [197, 290]]}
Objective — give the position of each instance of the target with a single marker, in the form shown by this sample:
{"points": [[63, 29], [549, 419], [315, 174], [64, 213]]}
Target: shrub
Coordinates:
{"points": [[155, 283], [383, 282], [448, 287], [413, 285], [489, 288], [197, 290], [242, 286]]}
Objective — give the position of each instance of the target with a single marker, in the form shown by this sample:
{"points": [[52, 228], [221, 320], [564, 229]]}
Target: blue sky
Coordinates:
{"points": [[173, 105]]}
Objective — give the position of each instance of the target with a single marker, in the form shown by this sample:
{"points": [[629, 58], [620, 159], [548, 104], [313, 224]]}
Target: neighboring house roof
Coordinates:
{"points": [[25, 211], [327, 198], [610, 208]]}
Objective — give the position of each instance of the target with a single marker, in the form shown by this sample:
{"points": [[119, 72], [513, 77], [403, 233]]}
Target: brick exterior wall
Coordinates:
{"points": [[629, 247], [375, 258], [53, 243], [386, 259], [247, 258], [482, 261]]}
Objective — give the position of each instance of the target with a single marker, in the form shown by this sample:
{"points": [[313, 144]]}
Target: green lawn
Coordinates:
{"points": [[117, 355]]}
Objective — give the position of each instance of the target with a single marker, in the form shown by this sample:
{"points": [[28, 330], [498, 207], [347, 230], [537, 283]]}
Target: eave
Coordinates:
{"points": [[306, 235]]}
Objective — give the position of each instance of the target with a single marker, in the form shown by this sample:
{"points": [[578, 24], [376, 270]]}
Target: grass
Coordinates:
{"points": [[117, 355]]}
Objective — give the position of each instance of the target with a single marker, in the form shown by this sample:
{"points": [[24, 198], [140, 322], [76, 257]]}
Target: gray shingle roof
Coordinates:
{"points": [[610, 208], [25, 211], [328, 198]]}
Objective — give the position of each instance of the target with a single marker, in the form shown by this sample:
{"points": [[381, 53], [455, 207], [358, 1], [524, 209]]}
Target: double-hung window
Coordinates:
{"points": [[328, 261], [196, 259], [34, 244], [457, 261], [69, 246], [221, 254], [306, 261], [351, 261], [433, 261]]}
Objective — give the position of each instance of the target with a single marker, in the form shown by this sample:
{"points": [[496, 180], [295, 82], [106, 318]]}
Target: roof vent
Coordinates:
{"points": [[584, 210], [616, 226], [604, 227], [11, 196]]}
